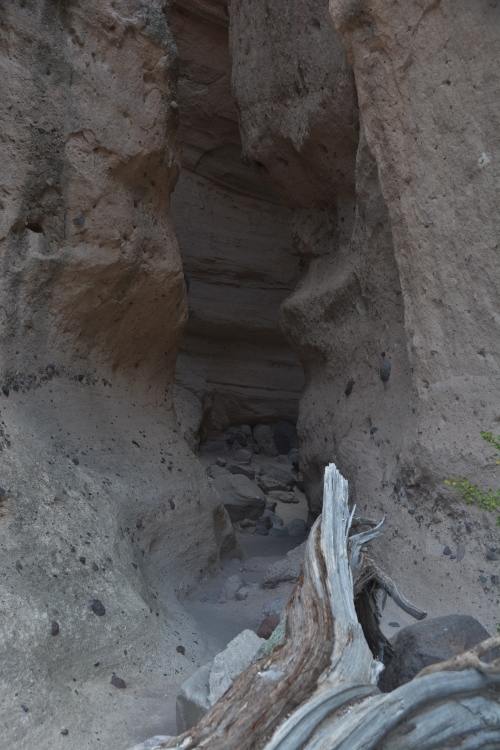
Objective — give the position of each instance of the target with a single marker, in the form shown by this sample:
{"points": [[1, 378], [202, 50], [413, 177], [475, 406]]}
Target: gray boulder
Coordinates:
{"points": [[243, 456], [275, 520], [281, 475], [241, 497], [269, 484], [286, 570], [246, 471], [297, 527], [263, 436], [193, 702], [284, 497], [231, 588], [429, 642], [285, 436]]}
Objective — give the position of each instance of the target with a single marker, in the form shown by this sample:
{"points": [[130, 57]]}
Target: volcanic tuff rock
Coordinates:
{"points": [[101, 489]]}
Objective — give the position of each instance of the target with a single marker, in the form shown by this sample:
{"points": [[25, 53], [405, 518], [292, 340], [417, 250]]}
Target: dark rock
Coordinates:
{"points": [[297, 527], [373, 430], [490, 555], [468, 525], [243, 456], [265, 521], [241, 498], [350, 385], [447, 551], [5, 390], [385, 371], [411, 511], [483, 579], [180, 650], [495, 579], [97, 607], [221, 461], [262, 530], [19, 565], [134, 565], [75, 461], [25, 708], [263, 436], [429, 642], [453, 557], [294, 457], [285, 436], [65, 732], [275, 520], [271, 505], [280, 475], [82, 560], [246, 471], [117, 682], [394, 625], [268, 626], [54, 627], [2, 492], [241, 438]]}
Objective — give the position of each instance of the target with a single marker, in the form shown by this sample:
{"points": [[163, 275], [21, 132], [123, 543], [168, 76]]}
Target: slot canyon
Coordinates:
{"points": [[239, 238]]}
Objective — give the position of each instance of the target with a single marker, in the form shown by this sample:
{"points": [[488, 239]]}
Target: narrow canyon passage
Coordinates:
{"points": [[238, 241]]}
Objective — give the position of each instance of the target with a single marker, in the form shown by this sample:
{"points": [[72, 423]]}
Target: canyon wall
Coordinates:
{"points": [[234, 236], [99, 492], [377, 124]]}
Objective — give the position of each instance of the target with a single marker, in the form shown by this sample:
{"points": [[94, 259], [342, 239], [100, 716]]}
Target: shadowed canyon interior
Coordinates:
{"points": [[219, 214]]}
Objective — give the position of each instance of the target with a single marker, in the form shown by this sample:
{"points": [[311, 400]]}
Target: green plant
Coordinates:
{"points": [[472, 494]]}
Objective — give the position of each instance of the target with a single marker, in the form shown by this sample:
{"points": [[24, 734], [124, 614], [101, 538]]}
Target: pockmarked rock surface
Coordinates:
{"points": [[101, 491]]}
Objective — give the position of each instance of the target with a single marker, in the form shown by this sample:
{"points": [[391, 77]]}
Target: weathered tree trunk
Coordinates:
{"points": [[317, 689]]}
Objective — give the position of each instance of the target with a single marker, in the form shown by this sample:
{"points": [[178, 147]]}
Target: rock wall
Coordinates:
{"points": [[234, 238], [390, 175], [99, 492]]}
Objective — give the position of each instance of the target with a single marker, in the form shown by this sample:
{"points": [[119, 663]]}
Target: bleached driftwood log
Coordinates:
{"points": [[317, 689]]}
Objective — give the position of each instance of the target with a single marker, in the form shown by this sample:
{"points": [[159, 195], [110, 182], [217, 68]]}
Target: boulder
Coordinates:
{"points": [[263, 436], [284, 497], [231, 588], [243, 456], [268, 626], [231, 662], [245, 471], [297, 527], [286, 570], [429, 642], [274, 519], [214, 471], [241, 497], [285, 436], [281, 475], [200, 691], [269, 484]]}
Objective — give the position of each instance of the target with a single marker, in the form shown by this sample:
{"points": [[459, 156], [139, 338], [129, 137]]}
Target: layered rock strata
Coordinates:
{"points": [[234, 238]]}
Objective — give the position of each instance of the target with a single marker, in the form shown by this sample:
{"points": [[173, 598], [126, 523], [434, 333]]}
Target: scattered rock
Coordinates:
{"points": [[428, 642], [268, 626], [285, 436], [483, 579], [294, 458], [181, 650], [248, 522], [97, 607], [243, 456], [216, 471], [230, 588], [281, 475], [262, 530], [275, 520], [271, 505], [246, 430], [385, 369], [285, 570], [117, 682], [265, 521], [394, 625], [231, 662], [447, 551], [274, 607], [245, 471], [242, 593], [284, 497], [297, 527], [220, 461], [5, 390], [64, 732], [490, 555], [241, 438], [263, 436], [495, 579], [350, 385], [25, 708], [54, 627], [241, 497], [269, 484]]}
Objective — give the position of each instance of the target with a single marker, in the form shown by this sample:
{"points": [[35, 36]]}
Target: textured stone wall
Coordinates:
{"points": [[99, 492]]}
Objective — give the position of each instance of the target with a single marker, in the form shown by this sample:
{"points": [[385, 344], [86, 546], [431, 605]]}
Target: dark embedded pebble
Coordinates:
{"points": [[25, 708], [19, 565], [411, 511], [490, 555], [447, 551], [453, 557], [97, 607], [180, 650], [5, 390], [117, 682], [82, 560], [95, 567], [373, 430], [2, 492], [134, 565], [64, 732], [209, 599], [75, 461], [138, 524], [483, 579], [54, 627], [468, 525], [495, 579], [350, 385], [394, 625]]}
